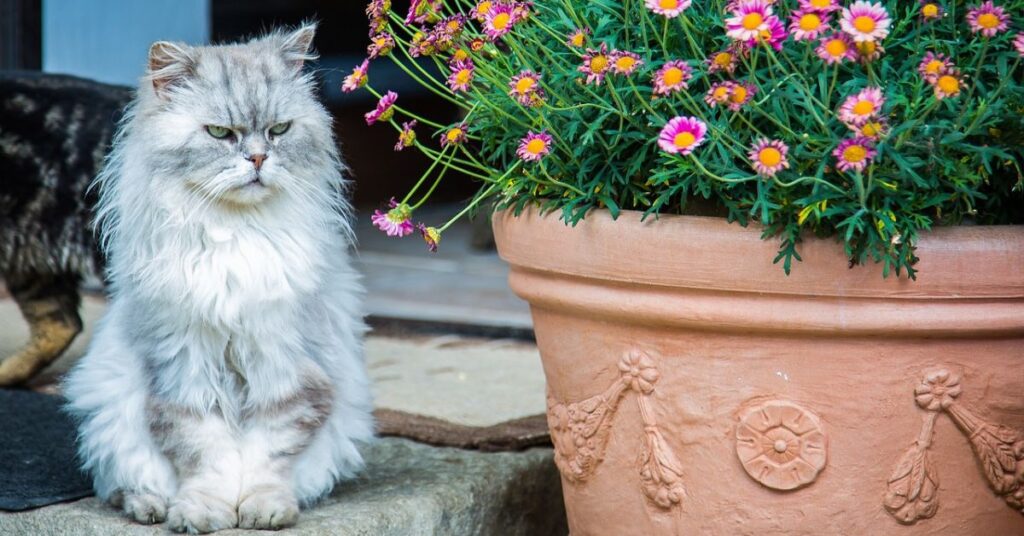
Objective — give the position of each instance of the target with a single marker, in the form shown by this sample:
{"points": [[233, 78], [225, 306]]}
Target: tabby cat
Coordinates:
{"points": [[54, 133]]}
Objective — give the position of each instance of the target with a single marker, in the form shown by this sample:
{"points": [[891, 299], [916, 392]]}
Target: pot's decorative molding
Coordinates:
{"points": [[781, 444], [912, 492], [580, 430]]}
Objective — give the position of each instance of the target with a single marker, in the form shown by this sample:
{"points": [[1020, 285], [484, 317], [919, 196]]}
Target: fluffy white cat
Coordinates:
{"points": [[225, 386]]}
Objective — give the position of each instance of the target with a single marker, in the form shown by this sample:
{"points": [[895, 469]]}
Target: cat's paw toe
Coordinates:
{"points": [[146, 508], [196, 513], [274, 509]]}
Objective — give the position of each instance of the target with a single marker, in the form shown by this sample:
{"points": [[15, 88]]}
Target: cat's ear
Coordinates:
{"points": [[297, 46], [169, 64]]}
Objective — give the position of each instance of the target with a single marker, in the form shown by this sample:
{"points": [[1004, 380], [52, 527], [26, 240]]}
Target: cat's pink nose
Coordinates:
{"points": [[257, 160]]}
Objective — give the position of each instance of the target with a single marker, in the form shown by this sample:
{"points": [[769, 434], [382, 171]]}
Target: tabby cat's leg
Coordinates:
{"points": [[49, 304]]}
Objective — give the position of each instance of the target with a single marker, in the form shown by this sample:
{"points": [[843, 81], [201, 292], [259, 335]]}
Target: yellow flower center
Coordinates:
{"points": [[599, 63], [949, 85], [855, 154], [871, 129], [723, 59], [988, 21], [867, 48], [752, 20], [721, 93], [463, 76], [625, 63], [460, 55], [739, 94], [836, 48], [454, 134], [578, 39], [810, 22], [501, 20], [536, 146], [864, 107], [684, 140], [668, 4], [864, 24], [934, 67], [821, 4], [930, 11], [453, 26], [770, 156], [524, 85], [672, 76], [484, 8]]}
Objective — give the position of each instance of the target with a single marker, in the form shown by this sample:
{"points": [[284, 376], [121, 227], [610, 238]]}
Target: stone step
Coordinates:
{"points": [[408, 489]]}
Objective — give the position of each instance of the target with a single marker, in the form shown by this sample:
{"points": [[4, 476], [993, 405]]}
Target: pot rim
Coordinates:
{"points": [[970, 280]]}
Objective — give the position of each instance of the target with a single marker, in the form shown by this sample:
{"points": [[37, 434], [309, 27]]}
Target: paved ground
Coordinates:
{"points": [[408, 489]]}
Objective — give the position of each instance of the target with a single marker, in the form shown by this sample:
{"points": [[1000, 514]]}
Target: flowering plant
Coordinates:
{"points": [[868, 120]]}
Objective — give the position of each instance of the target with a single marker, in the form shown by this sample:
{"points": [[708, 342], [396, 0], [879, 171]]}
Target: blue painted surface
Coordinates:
{"points": [[107, 40]]}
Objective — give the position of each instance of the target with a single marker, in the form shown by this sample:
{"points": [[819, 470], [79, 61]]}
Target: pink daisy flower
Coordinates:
{"points": [[1018, 43], [854, 154], [860, 108], [865, 21], [358, 78], [384, 110], [377, 9], [768, 157], [724, 60], [380, 45], [836, 48], [821, 6], [718, 94], [454, 136], [625, 63], [930, 10], [431, 235], [578, 38], [461, 76], [740, 94], [988, 19], [421, 11], [395, 222], [872, 130], [774, 35], [933, 66], [868, 51], [806, 25], [673, 76], [526, 90], [534, 146], [499, 21], [749, 18], [948, 84], [596, 64], [482, 9], [682, 135], [668, 8], [407, 137]]}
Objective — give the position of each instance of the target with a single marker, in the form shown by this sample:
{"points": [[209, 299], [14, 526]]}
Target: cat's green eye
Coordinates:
{"points": [[218, 132], [280, 128]]}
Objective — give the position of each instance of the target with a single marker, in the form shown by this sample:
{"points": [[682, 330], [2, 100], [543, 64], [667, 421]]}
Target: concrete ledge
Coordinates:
{"points": [[408, 489]]}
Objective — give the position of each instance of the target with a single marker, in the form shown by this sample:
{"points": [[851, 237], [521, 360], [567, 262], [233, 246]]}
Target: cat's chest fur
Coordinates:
{"points": [[235, 276]]}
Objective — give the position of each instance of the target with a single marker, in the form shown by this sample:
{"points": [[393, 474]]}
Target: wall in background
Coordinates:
{"points": [[107, 40]]}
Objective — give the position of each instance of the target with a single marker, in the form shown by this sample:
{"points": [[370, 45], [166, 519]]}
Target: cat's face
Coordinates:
{"points": [[236, 124]]}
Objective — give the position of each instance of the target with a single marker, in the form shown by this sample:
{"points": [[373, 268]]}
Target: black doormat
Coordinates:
{"points": [[37, 452]]}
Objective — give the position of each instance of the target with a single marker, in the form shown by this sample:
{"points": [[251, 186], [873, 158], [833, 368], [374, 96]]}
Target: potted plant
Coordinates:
{"points": [[834, 344]]}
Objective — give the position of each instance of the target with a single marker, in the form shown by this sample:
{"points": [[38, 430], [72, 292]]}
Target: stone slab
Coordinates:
{"points": [[408, 489]]}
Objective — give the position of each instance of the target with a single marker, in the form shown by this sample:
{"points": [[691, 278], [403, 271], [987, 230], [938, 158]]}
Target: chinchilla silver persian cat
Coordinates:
{"points": [[225, 386]]}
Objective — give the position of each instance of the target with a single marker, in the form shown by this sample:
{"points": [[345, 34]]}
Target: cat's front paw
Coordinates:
{"points": [[146, 508], [268, 509], [198, 513]]}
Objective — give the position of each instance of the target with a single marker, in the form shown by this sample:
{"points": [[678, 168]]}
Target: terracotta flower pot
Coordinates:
{"points": [[694, 388]]}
